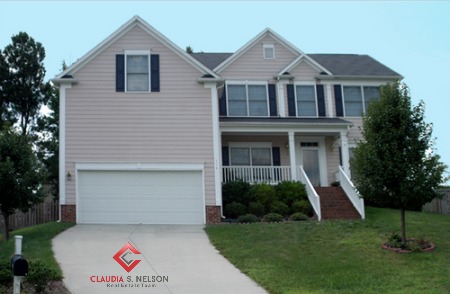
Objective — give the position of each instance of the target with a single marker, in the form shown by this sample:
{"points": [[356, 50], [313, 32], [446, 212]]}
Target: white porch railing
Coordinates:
{"points": [[351, 192], [257, 174], [313, 197]]}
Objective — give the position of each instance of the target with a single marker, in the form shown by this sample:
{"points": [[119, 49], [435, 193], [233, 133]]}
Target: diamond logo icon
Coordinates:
{"points": [[126, 257]]}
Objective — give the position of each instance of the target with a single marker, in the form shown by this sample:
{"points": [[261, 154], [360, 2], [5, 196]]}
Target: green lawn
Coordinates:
{"points": [[36, 244], [339, 256]]}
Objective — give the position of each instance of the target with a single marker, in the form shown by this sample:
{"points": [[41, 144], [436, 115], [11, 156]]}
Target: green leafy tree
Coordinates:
{"points": [[20, 176], [395, 165], [22, 86], [48, 144]]}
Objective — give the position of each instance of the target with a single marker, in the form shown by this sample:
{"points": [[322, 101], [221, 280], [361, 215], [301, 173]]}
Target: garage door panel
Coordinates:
{"points": [[153, 197]]}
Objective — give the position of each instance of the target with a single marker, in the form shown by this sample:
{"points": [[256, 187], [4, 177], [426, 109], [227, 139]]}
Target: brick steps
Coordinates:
{"points": [[334, 204]]}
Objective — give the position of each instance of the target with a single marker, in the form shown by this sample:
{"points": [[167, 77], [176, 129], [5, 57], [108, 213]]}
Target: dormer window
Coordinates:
{"points": [[269, 51]]}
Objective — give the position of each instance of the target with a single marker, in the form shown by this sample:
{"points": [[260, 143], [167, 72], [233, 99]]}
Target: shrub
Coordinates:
{"points": [[6, 276], [256, 208], [272, 218], [289, 192], [279, 207], [236, 191], [234, 209], [40, 274], [298, 217], [248, 218], [303, 206], [264, 194]]}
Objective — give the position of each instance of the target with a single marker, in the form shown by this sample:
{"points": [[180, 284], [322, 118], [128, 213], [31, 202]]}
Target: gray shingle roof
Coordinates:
{"points": [[353, 65], [211, 60], [338, 64]]}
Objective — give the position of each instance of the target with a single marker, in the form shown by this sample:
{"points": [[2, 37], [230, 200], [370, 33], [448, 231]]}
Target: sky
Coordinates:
{"points": [[410, 37]]}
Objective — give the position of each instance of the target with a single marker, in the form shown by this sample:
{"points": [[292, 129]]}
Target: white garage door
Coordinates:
{"points": [[134, 197]]}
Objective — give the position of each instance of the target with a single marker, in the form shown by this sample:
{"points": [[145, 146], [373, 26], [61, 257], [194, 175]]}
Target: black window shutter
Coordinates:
{"points": [[338, 100], [272, 100], [223, 102], [320, 100], [291, 100], [154, 63], [276, 156], [225, 156], [120, 73]]}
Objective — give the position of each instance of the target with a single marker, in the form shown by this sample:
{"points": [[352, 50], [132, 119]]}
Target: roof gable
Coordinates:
{"points": [[133, 22], [267, 32]]}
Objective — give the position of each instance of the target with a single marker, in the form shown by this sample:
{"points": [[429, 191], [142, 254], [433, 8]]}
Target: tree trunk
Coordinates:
{"points": [[6, 221], [403, 226]]}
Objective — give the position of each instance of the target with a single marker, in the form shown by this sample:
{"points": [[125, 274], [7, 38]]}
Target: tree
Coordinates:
{"points": [[189, 49], [20, 176], [48, 145], [395, 164], [23, 84]]}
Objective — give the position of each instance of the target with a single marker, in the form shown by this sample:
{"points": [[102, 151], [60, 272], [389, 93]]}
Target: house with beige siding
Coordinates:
{"points": [[149, 133]]}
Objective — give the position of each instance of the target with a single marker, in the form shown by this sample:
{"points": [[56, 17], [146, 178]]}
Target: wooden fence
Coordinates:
{"points": [[439, 205], [45, 212]]}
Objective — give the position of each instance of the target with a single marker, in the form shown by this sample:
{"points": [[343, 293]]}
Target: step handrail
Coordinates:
{"points": [[351, 192], [313, 197]]}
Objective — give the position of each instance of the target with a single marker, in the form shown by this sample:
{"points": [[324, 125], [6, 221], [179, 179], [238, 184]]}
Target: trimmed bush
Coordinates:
{"points": [[264, 194], [256, 208], [234, 210], [280, 208], [289, 192], [303, 206], [236, 191], [272, 218], [6, 276], [248, 218], [298, 217], [40, 275]]}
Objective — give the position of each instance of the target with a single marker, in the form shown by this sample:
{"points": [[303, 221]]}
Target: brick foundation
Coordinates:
{"points": [[68, 213], [213, 215]]}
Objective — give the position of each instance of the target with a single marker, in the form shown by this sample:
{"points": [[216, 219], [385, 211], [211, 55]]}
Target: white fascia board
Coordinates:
{"points": [[360, 78], [135, 21], [136, 166], [304, 128], [254, 41]]}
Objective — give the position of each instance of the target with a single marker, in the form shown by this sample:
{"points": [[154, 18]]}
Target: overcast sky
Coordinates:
{"points": [[412, 38]]}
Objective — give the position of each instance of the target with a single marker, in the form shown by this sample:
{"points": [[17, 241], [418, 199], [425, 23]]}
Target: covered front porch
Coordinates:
{"points": [[314, 152]]}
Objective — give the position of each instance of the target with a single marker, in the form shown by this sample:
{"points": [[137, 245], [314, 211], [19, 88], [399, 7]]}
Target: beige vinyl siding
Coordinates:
{"points": [[332, 157], [304, 72], [170, 126], [252, 66]]}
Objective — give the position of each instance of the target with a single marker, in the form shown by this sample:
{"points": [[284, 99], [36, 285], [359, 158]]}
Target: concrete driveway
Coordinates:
{"points": [[172, 259]]}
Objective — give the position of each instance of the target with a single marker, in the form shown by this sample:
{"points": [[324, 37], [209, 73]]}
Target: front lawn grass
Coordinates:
{"points": [[339, 256], [36, 244]]}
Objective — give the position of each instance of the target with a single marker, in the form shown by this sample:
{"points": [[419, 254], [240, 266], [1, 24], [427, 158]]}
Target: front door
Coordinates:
{"points": [[310, 161]]}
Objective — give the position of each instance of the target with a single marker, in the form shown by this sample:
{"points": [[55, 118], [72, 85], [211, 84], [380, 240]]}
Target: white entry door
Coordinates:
{"points": [[310, 161]]}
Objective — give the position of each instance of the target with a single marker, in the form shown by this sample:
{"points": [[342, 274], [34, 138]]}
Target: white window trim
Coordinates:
{"points": [[315, 97], [251, 145], [361, 87], [268, 46], [138, 52], [246, 84]]}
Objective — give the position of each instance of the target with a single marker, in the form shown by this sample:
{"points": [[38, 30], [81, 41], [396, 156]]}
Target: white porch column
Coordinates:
{"points": [[216, 142], [292, 156], [345, 153]]}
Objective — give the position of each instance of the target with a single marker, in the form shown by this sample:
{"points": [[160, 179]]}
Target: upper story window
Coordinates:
{"points": [[306, 100], [269, 51], [247, 99], [137, 71], [357, 98]]}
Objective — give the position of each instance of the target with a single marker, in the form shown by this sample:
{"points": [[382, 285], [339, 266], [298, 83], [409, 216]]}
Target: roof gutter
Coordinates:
{"points": [[349, 77]]}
